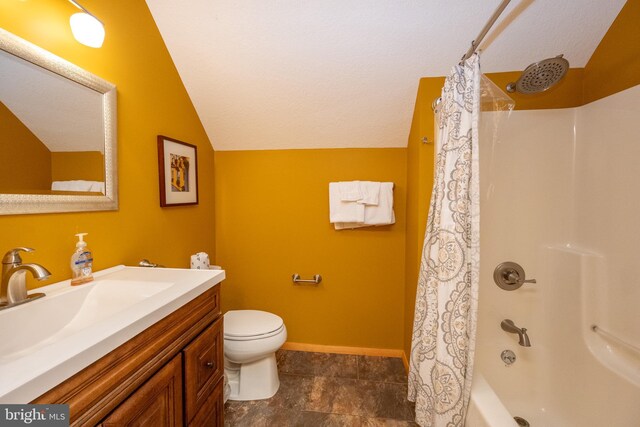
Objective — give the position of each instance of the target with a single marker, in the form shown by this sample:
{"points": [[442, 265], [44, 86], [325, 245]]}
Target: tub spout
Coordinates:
{"points": [[507, 325], [524, 338]]}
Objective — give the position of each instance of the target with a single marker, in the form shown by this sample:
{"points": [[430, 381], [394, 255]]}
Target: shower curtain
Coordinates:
{"points": [[444, 328]]}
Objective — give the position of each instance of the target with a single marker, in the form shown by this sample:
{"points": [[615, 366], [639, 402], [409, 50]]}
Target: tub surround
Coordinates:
{"points": [[576, 231]]}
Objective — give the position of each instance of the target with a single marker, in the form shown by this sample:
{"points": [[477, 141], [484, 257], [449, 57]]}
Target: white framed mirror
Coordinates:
{"points": [[58, 134]]}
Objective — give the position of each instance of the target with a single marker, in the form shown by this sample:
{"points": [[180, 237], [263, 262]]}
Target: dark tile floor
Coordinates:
{"points": [[319, 389]]}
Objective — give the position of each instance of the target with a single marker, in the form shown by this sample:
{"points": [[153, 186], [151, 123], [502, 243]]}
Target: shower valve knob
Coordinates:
{"points": [[513, 278], [510, 276], [508, 357]]}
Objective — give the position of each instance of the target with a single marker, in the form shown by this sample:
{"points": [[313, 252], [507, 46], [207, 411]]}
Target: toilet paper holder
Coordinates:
{"points": [[315, 281]]}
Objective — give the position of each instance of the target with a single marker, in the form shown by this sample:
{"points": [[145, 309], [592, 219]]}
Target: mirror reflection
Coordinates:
{"points": [[58, 133], [51, 132]]}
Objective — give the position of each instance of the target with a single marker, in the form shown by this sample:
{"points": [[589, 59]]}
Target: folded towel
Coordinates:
{"points": [[78, 185], [97, 187], [382, 214], [350, 225], [349, 191], [341, 211], [370, 193]]}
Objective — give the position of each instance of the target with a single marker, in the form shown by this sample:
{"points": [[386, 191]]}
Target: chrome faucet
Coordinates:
{"points": [[507, 325], [13, 287]]}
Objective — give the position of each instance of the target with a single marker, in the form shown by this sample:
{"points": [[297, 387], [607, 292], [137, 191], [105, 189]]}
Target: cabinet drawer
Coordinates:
{"points": [[158, 403], [203, 367], [212, 412]]}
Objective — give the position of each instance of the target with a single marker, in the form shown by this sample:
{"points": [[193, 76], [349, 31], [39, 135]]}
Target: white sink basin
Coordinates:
{"points": [[46, 341]]}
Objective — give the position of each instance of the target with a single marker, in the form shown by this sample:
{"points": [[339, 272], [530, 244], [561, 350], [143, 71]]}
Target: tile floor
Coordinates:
{"points": [[319, 389]]}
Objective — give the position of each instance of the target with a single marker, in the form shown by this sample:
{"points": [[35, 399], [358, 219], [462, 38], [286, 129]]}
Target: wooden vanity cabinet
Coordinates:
{"points": [[212, 411], [168, 375], [203, 368], [157, 403]]}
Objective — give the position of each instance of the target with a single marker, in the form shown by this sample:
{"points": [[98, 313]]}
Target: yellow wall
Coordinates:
{"points": [[73, 165], [272, 220], [615, 64], [25, 163], [151, 101], [567, 93], [420, 158]]}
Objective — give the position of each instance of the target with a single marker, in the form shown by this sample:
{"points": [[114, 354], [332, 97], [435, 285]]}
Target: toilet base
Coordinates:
{"points": [[253, 381]]}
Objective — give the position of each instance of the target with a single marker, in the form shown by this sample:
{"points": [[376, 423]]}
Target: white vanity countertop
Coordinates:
{"points": [[46, 341]]}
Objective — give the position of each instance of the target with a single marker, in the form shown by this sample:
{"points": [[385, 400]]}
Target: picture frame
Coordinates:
{"points": [[178, 172]]}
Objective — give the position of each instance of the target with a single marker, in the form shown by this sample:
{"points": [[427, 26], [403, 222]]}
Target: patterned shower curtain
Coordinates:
{"points": [[444, 328]]}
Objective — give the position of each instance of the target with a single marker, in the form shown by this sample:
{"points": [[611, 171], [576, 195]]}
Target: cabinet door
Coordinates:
{"points": [[212, 412], [157, 403], [203, 367]]}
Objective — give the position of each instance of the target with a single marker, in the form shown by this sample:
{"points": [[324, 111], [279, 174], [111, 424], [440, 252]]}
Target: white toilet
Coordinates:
{"points": [[251, 339]]}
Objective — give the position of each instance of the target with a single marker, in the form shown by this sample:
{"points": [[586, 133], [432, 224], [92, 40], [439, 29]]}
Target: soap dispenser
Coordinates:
{"points": [[81, 262]]}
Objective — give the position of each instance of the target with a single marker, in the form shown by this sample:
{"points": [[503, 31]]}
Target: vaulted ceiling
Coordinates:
{"points": [[284, 74]]}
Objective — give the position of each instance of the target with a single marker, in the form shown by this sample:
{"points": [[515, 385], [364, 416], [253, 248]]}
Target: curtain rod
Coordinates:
{"points": [[476, 42]]}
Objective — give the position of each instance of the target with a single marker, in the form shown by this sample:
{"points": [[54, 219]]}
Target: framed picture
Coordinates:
{"points": [[178, 167]]}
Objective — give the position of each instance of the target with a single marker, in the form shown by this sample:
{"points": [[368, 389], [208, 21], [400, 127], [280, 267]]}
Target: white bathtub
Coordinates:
{"points": [[485, 408]]}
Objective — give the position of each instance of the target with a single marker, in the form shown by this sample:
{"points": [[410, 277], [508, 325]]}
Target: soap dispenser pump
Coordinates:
{"points": [[81, 262]]}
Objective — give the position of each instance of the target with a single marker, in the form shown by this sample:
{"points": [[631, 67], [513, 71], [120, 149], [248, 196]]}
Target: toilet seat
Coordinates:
{"points": [[248, 325], [255, 337]]}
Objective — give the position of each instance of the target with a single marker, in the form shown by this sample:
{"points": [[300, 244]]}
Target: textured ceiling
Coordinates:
{"points": [[343, 73]]}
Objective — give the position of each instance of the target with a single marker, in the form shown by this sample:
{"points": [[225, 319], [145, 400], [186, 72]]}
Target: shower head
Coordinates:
{"points": [[540, 76]]}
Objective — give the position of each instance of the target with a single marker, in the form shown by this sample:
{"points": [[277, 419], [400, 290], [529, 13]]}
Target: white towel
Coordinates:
{"points": [[97, 187], [370, 191], [382, 214], [350, 225], [340, 211], [349, 191], [78, 185]]}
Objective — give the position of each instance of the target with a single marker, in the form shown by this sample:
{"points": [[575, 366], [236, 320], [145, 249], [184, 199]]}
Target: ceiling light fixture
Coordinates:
{"points": [[86, 28]]}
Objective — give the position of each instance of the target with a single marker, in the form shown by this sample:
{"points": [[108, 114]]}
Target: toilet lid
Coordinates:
{"points": [[248, 323]]}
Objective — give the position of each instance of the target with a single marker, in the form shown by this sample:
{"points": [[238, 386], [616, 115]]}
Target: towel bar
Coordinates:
{"points": [[316, 279]]}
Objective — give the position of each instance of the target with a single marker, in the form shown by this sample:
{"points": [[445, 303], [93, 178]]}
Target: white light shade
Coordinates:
{"points": [[87, 29]]}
